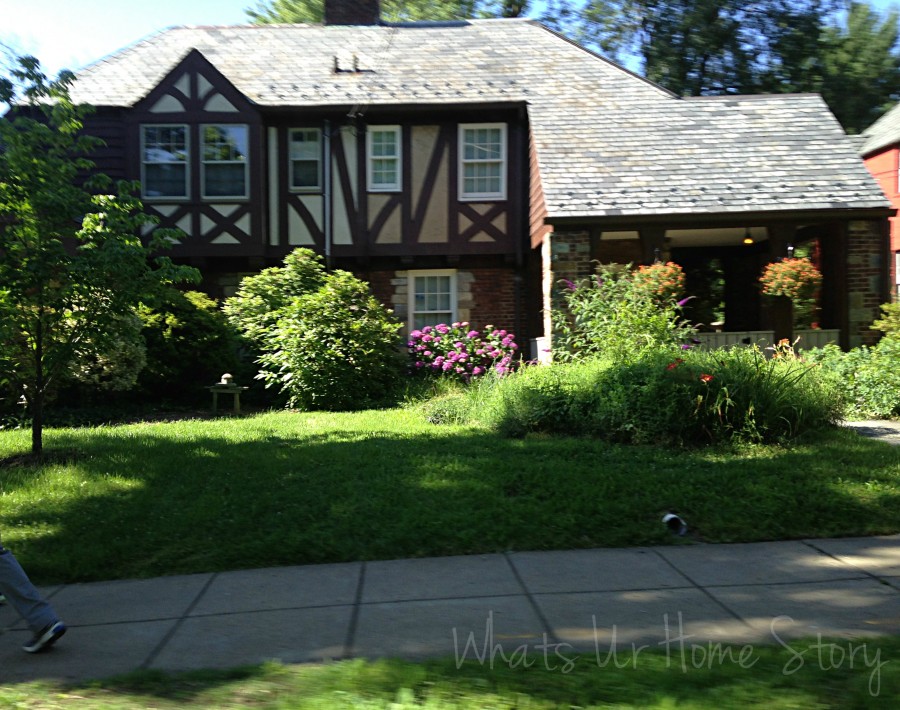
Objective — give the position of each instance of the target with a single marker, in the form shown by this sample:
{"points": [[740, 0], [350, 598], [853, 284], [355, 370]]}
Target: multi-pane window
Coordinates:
{"points": [[306, 158], [224, 155], [383, 149], [164, 161], [433, 298], [482, 172]]}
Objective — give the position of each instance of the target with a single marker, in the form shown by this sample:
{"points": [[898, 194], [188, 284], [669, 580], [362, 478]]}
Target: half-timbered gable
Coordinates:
{"points": [[196, 145]]}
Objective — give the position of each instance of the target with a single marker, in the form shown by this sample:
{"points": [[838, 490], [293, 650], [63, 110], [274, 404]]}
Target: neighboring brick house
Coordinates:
{"points": [[880, 148], [463, 168]]}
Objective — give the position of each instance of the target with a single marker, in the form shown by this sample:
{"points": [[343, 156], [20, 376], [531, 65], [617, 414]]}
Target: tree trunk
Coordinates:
{"points": [[37, 425]]}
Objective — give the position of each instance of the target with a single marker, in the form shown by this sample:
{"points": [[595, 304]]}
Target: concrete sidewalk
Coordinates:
{"points": [[878, 429], [545, 605]]}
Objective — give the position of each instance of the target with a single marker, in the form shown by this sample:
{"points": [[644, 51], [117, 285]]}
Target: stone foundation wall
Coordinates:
{"points": [[570, 256]]}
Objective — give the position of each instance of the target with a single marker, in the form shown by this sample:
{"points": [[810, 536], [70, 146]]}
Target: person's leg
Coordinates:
{"points": [[27, 601]]}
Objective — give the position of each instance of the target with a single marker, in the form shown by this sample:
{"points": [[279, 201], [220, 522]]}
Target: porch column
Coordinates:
{"points": [[780, 311], [866, 279], [653, 244]]}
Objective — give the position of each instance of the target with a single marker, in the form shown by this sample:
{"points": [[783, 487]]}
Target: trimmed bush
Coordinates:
{"points": [[260, 299], [325, 342]]}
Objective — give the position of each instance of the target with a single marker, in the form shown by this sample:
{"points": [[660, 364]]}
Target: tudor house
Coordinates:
{"points": [[464, 168]]}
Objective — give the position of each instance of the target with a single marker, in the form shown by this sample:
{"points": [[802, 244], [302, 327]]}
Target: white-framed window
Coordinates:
{"points": [[306, 159], [432, 297], [482, 157], [225, 159], [165, 164], [897, 272], [383, 156]]}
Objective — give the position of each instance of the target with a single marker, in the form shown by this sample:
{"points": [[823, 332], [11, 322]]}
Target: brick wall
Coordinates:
{"points": [[485, 296], [620, 251], [864, 279]]}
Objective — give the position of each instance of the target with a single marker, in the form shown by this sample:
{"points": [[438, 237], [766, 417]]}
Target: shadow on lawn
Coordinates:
{"points": [[771, 677], [164, 503]]}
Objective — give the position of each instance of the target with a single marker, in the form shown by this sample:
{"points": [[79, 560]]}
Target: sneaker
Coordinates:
{"points": [[46, 637]]}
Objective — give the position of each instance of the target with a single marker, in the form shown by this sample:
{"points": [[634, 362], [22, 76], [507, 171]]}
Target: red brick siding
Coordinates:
{"points": [[493, 298], [885, 168]]}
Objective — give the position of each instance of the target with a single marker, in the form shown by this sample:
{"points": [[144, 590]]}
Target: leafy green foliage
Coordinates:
{"points": [[256, 307], [696, 398], [845, 51], [615, 316], [71, 263], [868, 376], [189, 345], [109, 360], [312, 11], [889, 323], [325, 341]]}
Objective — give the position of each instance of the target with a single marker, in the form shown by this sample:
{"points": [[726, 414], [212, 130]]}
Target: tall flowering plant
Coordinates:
{"points": [[461, 352], [664, 283]]}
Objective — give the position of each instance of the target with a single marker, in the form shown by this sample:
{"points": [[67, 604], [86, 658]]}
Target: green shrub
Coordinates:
{"points": [[335, 348], [260, 299], [614, 315], [108, 361], [868, 376], [889, 323], [694, 398], [190, 344]]}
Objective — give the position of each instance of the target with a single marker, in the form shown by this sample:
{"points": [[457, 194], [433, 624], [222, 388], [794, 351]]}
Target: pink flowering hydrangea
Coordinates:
{"points": [[460, 351]]}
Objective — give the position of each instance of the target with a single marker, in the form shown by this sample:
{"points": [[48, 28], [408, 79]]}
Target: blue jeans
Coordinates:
{"points": [[20, 592]]}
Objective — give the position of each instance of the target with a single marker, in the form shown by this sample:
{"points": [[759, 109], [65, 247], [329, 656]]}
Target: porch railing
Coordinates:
{"points": [[763, 338]]}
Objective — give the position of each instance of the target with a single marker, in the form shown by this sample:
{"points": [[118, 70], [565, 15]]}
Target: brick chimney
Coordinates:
{"points": [[352, 12]]}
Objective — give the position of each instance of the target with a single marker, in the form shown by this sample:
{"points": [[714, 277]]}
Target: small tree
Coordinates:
{"points": [[71, 261]]}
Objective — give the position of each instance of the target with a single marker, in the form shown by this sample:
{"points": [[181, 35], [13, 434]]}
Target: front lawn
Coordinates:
{"points": [[809, 674], [287, 488]]}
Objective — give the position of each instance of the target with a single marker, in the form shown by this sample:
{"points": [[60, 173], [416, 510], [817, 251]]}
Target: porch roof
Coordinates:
{"points": [[608, 142]]}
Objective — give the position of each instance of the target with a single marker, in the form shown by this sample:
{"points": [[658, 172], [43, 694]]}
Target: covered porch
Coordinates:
{"points": [[723, 257]]}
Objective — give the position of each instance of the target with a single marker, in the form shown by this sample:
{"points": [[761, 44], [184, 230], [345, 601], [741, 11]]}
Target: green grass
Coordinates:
{"points": [[768, 677], [289, 488]]}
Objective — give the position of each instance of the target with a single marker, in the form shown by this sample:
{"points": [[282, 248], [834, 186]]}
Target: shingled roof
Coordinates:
{"points": [[608, 142], [884, 132]]}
